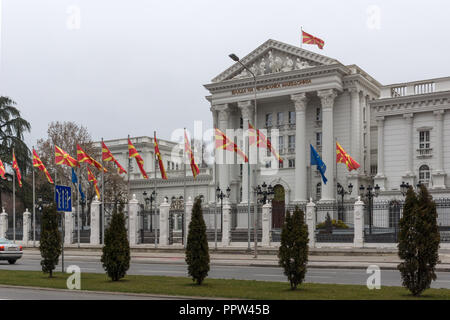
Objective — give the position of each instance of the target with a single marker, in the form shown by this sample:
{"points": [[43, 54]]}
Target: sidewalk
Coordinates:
{"points": [[334, 259]]}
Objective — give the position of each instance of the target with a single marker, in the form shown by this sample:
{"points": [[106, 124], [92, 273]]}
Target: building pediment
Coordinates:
{"points": [[274, 57]]}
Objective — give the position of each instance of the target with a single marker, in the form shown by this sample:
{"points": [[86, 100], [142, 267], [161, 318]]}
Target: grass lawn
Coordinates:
{"points": [[244, 289]]}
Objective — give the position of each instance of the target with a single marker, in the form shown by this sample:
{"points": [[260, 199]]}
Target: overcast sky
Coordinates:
{"points": [[130, 67]]}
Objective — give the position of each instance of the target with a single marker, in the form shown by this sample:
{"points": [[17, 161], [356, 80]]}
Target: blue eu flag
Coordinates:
{"points": [[75, 181], [316, 160]]}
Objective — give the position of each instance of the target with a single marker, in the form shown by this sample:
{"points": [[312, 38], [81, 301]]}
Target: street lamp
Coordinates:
{"points": [[342, 192], [148, 199], [404, 188], [39, 207], [370, 192], [220, 195], [264, 193]]}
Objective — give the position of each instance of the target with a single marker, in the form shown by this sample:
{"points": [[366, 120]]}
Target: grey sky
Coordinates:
{"points": [[137, 66]]}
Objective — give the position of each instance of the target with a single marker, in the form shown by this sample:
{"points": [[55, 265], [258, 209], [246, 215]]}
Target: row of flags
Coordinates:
{"points": [[341, 157]]}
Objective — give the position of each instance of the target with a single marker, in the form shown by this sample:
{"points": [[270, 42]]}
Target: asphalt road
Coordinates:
{"points": [[338, 276]]}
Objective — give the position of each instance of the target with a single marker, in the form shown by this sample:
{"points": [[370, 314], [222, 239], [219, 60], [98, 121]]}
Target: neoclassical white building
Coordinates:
{"points": [[397, 132]]}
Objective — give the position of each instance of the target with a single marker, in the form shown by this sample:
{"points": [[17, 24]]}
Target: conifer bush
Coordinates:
{"points": [[50, 242], [293, 251], [418, 241], [197, 252], [116, 251]]}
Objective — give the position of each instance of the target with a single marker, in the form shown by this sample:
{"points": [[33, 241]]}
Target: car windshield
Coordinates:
{"points": [[4, 241]]}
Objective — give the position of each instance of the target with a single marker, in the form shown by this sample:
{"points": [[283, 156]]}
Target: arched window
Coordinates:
{"points": [[319, 191], [424, 174]]}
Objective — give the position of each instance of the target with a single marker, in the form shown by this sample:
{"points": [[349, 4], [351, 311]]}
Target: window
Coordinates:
{"points": [[280, 164], [177, 166], [364, 114], [291, 163], [291, 141], [241, 123], [373, 169], [168, 165], [280, 118], [240, 169], [424, 174], [291, 117], [318, 139], [268, 120], [424, 139], [280, 144], [318, 191], [318, 114], [268, 164]]}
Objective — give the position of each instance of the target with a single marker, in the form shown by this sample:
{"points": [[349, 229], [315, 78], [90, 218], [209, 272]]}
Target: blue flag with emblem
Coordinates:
{"points": [[316, 160], [75, 181]]}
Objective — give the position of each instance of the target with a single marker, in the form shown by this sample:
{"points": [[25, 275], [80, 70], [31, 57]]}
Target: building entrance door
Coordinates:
{"points": [[278, 207]]}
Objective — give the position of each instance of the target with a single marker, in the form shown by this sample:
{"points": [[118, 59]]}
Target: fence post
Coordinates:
{"points": [[358, 217], [164, 223], [133, 220], [187, 218], [226, 223], [3, 223], [311, 222], [95, 232], [265, 241], [68, 227], [26, 226]]}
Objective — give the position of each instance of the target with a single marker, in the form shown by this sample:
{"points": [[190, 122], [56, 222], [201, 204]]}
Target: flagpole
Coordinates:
{"points": [[103, 202], [301, 37], [154, 189], [335, 176], [14, 203], [78, 206], [128, 185], [34, 208], [184, 196]]}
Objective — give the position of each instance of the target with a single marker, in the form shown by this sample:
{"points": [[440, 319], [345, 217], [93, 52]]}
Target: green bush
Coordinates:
{"points": [[116, 251], [338, 224], [50, 242]]}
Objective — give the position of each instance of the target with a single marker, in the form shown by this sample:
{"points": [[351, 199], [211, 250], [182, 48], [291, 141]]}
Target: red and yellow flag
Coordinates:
{"points": [[223, 142], [158, 154], [344, 157], [38, 164], [188, 150], [132, 153], [63, 158], [107, 156], [2, 170], [310, 39], [262, 141], [91, 178], [84, 157], [16, 167]]}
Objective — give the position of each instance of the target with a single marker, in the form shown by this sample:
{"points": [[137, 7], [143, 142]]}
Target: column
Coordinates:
{"points": [[380, 178], [439, 174], [328, 144], [95, 219], [300, 102], [358, 217], [311, 223], [26, 226], [266, 210], [133, 223], [226, 223], [247, 111], [223, 166], [68, 227], [164, 223], [356, 123], [409, 144], [3, 223]]}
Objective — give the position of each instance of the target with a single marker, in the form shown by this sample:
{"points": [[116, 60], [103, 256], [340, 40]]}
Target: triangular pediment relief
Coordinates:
{"points": [[274, 57]]}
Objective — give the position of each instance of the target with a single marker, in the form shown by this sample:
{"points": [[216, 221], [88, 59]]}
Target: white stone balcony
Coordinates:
{"points": [[424, 152]]}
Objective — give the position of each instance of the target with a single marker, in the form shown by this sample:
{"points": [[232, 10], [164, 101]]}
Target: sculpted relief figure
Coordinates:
{"points": [[262, 67], [301, 64], [288, 64], [275, 63]]}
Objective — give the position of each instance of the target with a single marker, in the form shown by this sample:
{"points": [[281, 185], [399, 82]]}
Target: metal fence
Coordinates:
{"points": [[342, 225]]}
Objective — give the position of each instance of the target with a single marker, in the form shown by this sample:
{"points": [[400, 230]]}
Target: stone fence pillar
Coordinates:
{"points": [[68, 227], [133, 223], [164, 223], [3, 224], [265, 241], [358, 216], [311, 222], [95, 222], [187, 219], [26, 226], [226, 223]]}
